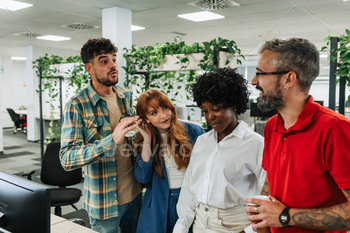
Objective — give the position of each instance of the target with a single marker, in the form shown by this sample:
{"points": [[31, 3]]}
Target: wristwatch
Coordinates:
{"points": [[284, 217]]}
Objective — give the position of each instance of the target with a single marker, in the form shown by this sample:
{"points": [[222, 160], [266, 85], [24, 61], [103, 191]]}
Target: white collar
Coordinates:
{"points": [[239, 131]]}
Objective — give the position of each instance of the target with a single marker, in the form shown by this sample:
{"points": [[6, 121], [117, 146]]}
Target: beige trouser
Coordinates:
{"points": [[213, 220]]}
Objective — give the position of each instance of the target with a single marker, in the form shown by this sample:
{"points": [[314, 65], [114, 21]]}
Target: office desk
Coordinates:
{"points": [[61, 225]]}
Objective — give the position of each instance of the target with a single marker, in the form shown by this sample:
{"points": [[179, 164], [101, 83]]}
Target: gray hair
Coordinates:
{"points": [[298, 55]]}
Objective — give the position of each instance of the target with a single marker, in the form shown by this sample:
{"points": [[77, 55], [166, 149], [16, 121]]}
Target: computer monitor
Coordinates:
{"points": [[25, 205], [2, 230], [256, 112]]}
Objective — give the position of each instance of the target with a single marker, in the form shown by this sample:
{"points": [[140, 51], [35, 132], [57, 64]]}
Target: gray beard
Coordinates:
{"points": [[268, 103]]}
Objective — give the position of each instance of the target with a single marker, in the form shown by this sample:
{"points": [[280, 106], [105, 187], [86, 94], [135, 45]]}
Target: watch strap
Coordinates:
{"points": [[284, 217]]}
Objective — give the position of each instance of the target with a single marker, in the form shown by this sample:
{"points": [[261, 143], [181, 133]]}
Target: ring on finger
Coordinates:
{"points": [[256, 210]]}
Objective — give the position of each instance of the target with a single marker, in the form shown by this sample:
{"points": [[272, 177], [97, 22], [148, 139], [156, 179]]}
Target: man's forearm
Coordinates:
{"points": [[335, 218], [266, 188]]}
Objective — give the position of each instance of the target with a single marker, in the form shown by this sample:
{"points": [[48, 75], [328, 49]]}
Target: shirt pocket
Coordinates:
{"points": [[93, 128]]}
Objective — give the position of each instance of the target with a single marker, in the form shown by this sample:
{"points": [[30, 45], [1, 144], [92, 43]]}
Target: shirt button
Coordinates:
{"points": [[115, 195], [114, 178], [284, 139], [206, 209]]}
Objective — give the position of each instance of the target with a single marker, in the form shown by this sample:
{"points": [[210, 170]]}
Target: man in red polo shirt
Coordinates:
{"points": [[306, 154]]}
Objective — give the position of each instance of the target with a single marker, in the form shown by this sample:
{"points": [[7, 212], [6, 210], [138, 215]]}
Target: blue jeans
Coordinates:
{"points": [[127, 220], [172, 213]]}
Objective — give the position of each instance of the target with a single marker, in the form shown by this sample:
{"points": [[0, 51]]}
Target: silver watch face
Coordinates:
{"points": [[284, 218]]}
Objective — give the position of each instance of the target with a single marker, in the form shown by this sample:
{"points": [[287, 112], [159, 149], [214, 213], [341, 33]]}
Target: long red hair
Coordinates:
{"points": [[155, 99]]}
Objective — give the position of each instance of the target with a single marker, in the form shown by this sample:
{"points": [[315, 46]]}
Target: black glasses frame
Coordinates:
{"points": [[269, 73]]}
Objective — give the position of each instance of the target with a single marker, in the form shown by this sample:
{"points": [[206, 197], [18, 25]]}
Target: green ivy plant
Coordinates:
{"points": [[77, 77], [343, 64], [149, 58]]}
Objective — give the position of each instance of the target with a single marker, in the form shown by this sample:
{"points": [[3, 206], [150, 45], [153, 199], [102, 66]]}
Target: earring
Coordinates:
{"points": [[286, 88]]}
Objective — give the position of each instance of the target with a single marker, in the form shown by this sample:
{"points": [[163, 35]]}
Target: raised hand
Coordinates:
{"points": [[122, 128], [143, 129]]}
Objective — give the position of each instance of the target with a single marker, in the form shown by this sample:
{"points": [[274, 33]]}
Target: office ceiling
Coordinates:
{"points": [[253, 22]]}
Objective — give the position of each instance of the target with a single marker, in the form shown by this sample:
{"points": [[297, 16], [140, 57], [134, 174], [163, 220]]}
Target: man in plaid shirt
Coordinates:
{"points": [[93, 138]]}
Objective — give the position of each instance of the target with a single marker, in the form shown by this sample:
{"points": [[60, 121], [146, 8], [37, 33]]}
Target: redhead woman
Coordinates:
{"points": [[164, 146]]}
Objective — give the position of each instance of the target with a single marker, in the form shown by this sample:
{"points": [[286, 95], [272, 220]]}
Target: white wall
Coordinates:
{"points": [[13, 90], [1, 136], [33, 53]]}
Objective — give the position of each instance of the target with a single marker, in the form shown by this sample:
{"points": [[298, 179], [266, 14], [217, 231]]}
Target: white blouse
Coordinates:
{"points": [[221, 174], [175, 176]]}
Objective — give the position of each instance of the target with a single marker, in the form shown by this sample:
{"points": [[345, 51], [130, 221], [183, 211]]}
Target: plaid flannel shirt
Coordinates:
{"points": [[87, 142]]}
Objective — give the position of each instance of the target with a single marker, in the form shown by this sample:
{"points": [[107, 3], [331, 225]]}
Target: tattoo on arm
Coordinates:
{"points": [[335, 218], [266, 188], [347, 191]]}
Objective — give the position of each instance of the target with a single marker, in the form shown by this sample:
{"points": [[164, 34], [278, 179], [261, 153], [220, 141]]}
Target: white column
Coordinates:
{"points": [[116, 26], [33, 124], [1, 133]]}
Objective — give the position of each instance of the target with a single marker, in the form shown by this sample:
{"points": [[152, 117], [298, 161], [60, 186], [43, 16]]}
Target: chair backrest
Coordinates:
{"points": [[52, 172], [14, 116]]}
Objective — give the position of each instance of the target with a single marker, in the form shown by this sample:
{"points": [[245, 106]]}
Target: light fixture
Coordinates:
{"points": [[136, 28], [201, 16], [323, 55], [53, 38], [13, 5], [19, 58]]}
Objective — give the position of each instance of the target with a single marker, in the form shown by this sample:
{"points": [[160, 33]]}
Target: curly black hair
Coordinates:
{"points": [[222, 86], [95, 47]]}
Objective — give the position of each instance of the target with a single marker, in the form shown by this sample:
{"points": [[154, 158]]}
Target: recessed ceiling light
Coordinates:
{"points": [[13, 5], [136, 28], [53, 38], [201, 16], [19, 58]]}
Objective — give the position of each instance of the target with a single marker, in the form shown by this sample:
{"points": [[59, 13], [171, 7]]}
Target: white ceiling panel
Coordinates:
{"points": [[276, 5], [249, 24], [90, 11], [67, 6]]}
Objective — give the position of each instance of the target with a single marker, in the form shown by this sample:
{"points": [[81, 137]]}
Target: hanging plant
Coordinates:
{"points": [[142, 69], [343, 64], [47, 68]]}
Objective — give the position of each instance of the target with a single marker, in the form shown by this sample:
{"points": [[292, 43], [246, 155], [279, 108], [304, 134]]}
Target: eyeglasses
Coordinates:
{"points": [[269, 73]]}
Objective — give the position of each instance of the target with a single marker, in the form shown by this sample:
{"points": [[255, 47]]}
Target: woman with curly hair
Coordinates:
{"points": [[164, 146], [225, 164]]}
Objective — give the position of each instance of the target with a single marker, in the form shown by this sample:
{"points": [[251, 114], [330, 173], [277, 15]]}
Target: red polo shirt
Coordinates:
{"points": [[308, 164]]}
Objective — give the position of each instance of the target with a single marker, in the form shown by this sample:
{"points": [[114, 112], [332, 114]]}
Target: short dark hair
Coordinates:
{"points": [[222, 86], [298, 55], [95, 47]]}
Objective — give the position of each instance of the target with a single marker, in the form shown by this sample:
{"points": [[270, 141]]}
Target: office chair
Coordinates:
{"points": [[52, 173], [19, 123]]}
